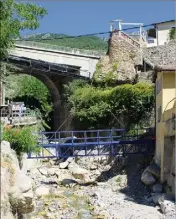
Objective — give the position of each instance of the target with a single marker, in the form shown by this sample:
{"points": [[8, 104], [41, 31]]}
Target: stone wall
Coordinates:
{"points": [[120, 60], [122, 57]]}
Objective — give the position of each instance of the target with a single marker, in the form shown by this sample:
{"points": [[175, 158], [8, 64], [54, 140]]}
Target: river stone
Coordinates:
{"points": [[51, 171], [42, 190], [156, 198], [154, 169], [158, 188], [22, 202], [49, 181], [63, 165], [93, 167], [43, 171], [23, 182], [80, 173], [68, 182], [168, 207], [147, 178]]}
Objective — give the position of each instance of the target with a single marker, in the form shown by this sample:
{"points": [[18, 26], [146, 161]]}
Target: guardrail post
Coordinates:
{"points": [[112, 146], [85, 142], [42, 146], [98, 138]]}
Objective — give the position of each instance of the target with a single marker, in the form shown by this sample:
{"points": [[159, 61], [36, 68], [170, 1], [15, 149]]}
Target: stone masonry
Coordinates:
{"points": [[123, 57]]}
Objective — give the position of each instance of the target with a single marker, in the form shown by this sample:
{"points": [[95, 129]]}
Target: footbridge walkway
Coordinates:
{"points": [[111, 142]]}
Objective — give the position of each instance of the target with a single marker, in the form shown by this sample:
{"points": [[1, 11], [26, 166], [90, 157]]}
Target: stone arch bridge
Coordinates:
{"points": [[54, 66]]}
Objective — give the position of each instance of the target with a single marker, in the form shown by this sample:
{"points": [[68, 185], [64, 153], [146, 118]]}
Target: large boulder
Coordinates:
{"points": [[22, 202], [63, 165], [147, 178], [79, 172], [16, 187], [23, 182], [154, 169], [168, 208]]}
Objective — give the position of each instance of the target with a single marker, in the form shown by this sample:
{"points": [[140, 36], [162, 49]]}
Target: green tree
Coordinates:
{"points": [[172, 33], [30, 90], [14, 17]]}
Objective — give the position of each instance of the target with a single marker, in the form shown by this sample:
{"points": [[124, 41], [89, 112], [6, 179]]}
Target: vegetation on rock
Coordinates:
{"points": [[108, 79], [21, 139]]}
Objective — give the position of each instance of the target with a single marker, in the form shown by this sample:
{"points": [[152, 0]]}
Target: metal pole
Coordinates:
{"points": [[111, 26]]}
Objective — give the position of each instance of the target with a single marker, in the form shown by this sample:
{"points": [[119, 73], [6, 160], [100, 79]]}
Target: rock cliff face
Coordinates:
{"points": [[124, 56], [120, 61], [16, 187]]}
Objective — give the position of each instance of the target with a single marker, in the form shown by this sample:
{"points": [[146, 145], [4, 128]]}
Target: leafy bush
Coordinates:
{"points": [[172, 34], [123, 106], [21, 139]]}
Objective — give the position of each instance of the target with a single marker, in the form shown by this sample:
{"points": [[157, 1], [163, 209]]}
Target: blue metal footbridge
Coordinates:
{"points": [[106, 142]]}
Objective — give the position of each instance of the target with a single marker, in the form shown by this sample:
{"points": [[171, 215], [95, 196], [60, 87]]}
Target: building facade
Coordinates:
{"points": [[165, 123], [162, 31]]}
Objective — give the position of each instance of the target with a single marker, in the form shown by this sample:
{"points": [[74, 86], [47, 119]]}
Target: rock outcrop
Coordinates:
{"points": [[119, 63], [16, 187]]}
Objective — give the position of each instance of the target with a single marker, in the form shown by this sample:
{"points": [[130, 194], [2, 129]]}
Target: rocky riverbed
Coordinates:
{"points": [[84, 188], [92, 188]]}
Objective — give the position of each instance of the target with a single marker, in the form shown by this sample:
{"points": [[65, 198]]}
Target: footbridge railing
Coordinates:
{"points": [[110, 142]]}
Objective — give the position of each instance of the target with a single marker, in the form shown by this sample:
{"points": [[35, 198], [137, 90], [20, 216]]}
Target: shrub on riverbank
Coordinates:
{"points": [[21, 139], [120, 106]]}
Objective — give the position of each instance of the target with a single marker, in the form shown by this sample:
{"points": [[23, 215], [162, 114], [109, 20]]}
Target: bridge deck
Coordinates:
{"points": [[94, 143]]}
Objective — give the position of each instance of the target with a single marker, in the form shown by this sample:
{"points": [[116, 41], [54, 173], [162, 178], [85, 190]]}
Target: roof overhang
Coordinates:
{"points": [[163, 22], [163, 68], [169, 68]]}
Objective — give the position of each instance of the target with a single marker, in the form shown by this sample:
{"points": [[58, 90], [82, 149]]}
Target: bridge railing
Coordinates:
{"points": [[64, 144], [53, 47], [127, 38], [91, 137]]}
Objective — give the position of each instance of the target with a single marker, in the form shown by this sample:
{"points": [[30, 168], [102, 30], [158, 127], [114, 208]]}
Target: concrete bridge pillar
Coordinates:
{"points": [[56, 99]]}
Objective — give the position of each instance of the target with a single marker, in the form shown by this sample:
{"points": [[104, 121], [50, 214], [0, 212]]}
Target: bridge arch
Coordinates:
{"points": [[53, 75], [56, 99], [53, 90]]}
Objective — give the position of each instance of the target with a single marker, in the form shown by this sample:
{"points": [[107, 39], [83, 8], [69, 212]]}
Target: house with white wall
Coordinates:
{"points": [[162, 31]]}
